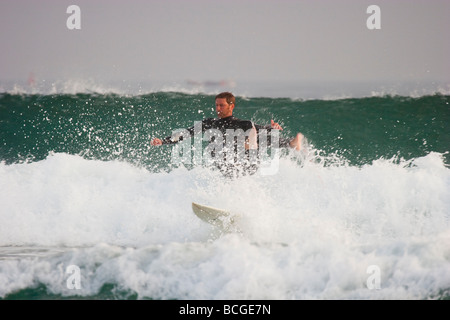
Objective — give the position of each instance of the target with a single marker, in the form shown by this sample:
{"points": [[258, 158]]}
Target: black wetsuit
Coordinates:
{"points": [[224, 124]]}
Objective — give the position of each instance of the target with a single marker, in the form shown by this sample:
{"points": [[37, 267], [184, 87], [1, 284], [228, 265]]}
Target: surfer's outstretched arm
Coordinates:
{"points": [[295, 143], [178, 136], [168, 140]]}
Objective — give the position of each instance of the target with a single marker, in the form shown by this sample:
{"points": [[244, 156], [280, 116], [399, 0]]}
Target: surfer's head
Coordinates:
{"points": [[225, 104], [228, 96]]}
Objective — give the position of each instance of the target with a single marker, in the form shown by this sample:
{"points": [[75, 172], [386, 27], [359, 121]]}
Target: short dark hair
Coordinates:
{"points": [[227, 95]]}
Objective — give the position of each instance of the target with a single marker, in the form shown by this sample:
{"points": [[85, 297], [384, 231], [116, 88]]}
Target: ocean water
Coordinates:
{"points": [[90, 210]]}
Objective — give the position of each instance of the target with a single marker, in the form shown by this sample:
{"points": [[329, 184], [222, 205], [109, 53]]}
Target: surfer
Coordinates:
{"points": [[239, 156], [225, 103]]}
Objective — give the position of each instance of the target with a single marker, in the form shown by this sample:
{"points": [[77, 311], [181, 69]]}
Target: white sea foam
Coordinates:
{"points": [[310, 231], [246, 89]]}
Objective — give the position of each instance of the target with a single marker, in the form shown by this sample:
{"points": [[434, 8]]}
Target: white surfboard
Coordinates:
{"points": [[214, 216]]}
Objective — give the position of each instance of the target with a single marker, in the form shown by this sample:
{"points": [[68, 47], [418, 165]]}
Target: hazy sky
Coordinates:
{"points": [[274, 40]]}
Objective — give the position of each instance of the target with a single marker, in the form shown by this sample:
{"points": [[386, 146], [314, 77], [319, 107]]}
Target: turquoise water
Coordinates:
{"points": [[111, 126], [81, 185]]}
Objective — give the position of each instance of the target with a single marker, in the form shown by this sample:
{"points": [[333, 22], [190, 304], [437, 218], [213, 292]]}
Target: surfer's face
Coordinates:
{"points": [[223, 108]]}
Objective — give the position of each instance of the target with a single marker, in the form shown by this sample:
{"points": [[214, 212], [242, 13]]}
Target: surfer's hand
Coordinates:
{"points": [[156, 142], [275, 125]]}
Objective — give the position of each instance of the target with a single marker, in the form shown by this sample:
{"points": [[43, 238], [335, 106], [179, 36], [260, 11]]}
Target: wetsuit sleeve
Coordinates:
{"points": [[258, 127], [175, 138], [170, 140]]}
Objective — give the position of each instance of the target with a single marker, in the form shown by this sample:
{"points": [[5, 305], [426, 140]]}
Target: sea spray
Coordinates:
{"points": [[363, 213]]}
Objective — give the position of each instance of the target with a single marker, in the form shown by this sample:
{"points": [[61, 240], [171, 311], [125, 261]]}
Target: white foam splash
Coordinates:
{"points": [[245, 89], [311, 231]]}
